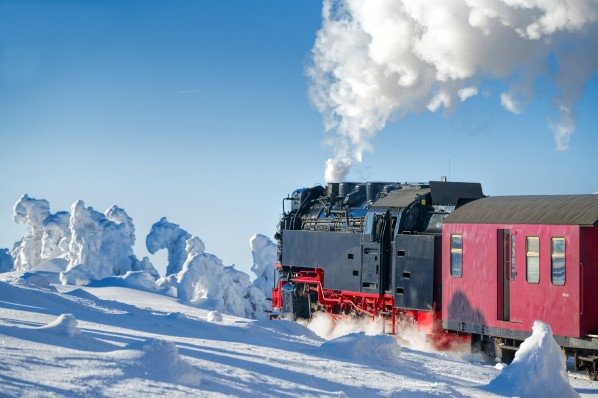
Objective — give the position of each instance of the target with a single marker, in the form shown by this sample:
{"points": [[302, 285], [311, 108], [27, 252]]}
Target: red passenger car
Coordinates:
{"points": [[508, 261]]}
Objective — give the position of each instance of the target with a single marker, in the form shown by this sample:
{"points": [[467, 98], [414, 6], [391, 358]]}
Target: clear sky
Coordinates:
{"points": [[199, 111]]}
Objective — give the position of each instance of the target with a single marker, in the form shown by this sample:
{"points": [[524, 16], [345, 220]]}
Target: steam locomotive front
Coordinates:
{"points": [[338, 247]]}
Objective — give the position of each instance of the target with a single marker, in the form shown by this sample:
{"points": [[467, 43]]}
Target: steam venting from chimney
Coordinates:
{"points": [[380, 59]]}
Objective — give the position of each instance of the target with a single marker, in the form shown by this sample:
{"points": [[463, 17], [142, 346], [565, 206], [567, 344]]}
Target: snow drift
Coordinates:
{"points": [[65, 324], [379, 349], [539, 368], [160, 360]]}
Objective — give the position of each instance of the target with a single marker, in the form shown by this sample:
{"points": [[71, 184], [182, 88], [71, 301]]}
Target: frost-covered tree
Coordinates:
{"points": [[6, 262], [101, 245], [47, 235], [204, 281], [263, 251], [57, 235], [169, 236], [95, 245], [31, 212]]}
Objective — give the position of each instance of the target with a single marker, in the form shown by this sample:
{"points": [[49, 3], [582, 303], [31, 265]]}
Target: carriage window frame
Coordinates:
{"points": [[532, 259], [456, 256], [557, 256], [513, 257]]}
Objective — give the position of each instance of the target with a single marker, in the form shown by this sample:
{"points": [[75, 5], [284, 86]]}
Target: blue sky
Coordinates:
{"points": [[198, 111]]}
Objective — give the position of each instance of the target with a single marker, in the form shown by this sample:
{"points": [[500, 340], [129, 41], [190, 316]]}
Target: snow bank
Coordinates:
{"points": [[169, 236], [160, 360], [34, 279], [380, 348], [539, 367], [140, 280], [137, 280], [65, 324], [214, 316]]}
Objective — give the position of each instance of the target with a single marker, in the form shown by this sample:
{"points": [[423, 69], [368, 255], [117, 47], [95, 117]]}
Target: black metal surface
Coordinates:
{"points": [[399, 199], [338, 254], [370, 268], [413, 271], [448, 193], [287, 298]]}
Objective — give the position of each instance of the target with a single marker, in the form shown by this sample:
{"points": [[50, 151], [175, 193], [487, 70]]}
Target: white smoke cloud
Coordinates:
{"points": [[467, 92], [376, 60], [510, 104]]}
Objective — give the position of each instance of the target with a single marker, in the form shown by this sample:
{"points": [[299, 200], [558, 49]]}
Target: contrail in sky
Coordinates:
{"points": [[374, 60]]}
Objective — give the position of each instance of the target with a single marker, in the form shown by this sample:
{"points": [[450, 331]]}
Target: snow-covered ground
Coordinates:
{"points": [[113, 340]]}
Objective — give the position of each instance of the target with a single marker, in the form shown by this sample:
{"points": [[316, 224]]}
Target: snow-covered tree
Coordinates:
{"points": [[169, 236]]}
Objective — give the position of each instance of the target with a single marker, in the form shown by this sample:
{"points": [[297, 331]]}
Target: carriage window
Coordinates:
{"points": [[557, 262], [456, 255], [532, 254]]}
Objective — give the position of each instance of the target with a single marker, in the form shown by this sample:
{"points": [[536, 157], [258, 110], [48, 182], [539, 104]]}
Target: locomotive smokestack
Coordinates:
{"points": [[377, 60]]}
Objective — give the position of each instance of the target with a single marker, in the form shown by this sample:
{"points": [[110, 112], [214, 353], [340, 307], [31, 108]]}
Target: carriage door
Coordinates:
{"points": [[509, 302]]}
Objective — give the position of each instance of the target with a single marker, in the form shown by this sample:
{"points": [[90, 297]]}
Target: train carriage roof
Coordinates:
{"points": [[533, 209]]}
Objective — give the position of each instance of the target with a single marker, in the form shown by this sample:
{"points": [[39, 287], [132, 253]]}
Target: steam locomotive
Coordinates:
{"points": [[463, 267]]}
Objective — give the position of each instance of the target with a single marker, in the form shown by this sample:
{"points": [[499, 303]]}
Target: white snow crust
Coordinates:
{"points": [[110, 339]]}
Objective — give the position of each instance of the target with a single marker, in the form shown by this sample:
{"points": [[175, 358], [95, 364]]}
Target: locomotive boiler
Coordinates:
{"points": [[366, 248]]}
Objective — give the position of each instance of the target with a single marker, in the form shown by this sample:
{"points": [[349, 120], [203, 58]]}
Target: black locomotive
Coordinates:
{"points": [[372, 248]]}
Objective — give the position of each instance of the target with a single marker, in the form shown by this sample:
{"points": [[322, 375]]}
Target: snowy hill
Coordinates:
{"points": [[113, 340]]}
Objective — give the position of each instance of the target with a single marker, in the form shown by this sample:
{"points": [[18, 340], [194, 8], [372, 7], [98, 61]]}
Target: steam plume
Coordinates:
{"points": [[373, 60]]}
